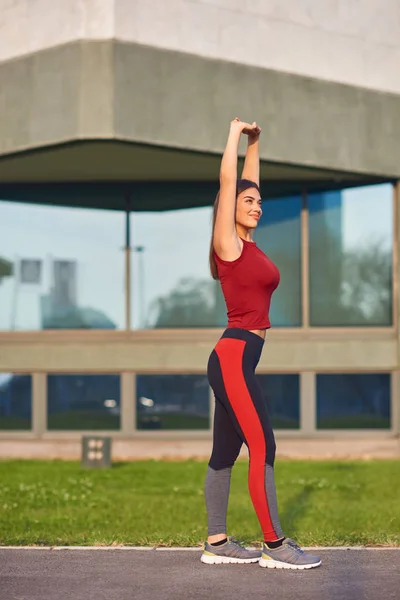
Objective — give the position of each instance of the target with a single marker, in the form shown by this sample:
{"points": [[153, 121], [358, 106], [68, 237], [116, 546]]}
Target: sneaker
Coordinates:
{"points": [[230, 552], [288, 556]]}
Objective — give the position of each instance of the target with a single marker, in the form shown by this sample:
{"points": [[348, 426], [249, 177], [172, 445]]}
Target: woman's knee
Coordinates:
{"points": [[220, 461], [271, 451], [263, 453]]}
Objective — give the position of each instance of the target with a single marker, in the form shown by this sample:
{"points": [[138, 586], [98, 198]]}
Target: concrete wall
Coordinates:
{"points": [[187, 351], [27, 26], [142, 94], [85, 84], [355, 42], [348, 41], [302, 351]]}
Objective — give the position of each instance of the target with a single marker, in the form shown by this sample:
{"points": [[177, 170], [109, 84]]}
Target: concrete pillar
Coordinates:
{"points": [[305, 263], [394, 402], [308, 403], [396, 306], [128, 403], [39, 404]]}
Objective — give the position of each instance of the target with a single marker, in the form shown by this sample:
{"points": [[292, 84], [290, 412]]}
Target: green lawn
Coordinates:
{"points": [[162, 503]]}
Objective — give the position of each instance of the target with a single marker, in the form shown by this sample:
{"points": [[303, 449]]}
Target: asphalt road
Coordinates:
{"points": [[118, 574]]}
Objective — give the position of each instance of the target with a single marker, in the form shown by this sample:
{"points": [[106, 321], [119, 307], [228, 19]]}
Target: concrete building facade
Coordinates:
{"points": [[118, 111]]}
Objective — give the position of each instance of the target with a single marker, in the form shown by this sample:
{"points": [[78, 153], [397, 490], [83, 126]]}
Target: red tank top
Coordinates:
{"points": [[247, 284]]}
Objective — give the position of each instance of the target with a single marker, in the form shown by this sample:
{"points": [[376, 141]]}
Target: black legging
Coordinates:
{"points": [[241, 415]]}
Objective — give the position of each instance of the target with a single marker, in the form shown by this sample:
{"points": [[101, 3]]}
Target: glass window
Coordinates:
{"points": [[15, 401], [171, 281], [353, 401], [172, 402], [61, 268], [351, 241], [76, 402], [282, 394], [278, 234]]}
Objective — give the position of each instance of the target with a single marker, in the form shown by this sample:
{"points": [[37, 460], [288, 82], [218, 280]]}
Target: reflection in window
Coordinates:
{"points": [[281, 392], [171, 281], [350, 252], [60, 268], [172, 402], [76, 402], [278, 235], [353, 401], [15, 401]]}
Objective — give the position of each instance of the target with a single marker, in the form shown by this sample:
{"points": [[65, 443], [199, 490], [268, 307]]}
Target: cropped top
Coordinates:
{"points": [[247, 285]]}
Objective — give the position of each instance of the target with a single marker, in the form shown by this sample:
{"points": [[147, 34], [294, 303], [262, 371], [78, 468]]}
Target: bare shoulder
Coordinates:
{"points": [[228, 247]]}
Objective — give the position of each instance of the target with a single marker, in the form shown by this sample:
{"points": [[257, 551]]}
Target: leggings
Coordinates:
{"points": [[241, 415]]}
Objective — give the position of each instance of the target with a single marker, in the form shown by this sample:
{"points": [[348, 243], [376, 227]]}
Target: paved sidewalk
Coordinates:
{"points": [[310, 449], [354, 574]]}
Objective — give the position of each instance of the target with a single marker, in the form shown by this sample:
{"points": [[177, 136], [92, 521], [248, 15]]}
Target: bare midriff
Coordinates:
{"points": [[260, 332]]}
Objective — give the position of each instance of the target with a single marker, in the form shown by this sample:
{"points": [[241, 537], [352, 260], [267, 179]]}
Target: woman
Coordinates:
{"points": [[248, 279]]}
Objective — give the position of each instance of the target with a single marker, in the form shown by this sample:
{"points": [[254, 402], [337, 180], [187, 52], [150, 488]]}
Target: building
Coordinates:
{"points": [[113, 119]]}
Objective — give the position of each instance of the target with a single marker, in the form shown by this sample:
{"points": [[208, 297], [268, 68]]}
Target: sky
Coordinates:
{"points": [[367, 212], [176, 245]]}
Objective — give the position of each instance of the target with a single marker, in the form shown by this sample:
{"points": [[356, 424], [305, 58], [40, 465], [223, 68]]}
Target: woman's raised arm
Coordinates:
{"points": [[225, 240], [251, 169]]}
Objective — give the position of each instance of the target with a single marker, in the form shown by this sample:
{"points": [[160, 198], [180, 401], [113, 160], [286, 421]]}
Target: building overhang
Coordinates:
{"points": [[85, 123], [103, 174]]}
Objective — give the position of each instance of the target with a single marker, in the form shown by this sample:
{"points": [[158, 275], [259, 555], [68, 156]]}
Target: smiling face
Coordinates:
{"points": [[248, 208]]}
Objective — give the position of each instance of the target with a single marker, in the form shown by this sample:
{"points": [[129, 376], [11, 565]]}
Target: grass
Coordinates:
{"points": [[162, 503]]}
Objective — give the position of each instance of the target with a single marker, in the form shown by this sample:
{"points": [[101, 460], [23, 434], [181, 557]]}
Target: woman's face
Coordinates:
{"points": [[248, 208]]}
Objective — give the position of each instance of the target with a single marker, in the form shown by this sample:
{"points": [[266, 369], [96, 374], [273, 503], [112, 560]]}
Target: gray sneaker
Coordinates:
{"points": [[288, 556], [230, 552]]}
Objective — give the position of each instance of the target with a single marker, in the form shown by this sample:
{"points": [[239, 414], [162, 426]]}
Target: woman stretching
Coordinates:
{"points": [[248, 279]]}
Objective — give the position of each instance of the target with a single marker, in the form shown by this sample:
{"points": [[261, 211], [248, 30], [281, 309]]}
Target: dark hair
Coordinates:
{"points": [[241, 186]]}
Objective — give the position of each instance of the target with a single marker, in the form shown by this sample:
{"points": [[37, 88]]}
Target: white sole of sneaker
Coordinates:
{"points": [[220, 560], [276, 564]]}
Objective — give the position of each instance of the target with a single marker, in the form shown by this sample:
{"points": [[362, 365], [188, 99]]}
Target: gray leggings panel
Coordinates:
{"points": [[216, 491]]}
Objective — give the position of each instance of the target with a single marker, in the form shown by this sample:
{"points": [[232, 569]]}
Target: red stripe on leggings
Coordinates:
{"points": [[230, 353]]}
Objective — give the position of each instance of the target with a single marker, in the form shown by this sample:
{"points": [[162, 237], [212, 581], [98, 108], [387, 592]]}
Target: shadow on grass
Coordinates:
{"points": [[119, 464], [114, 465], [298, 506], [294, 510]]}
